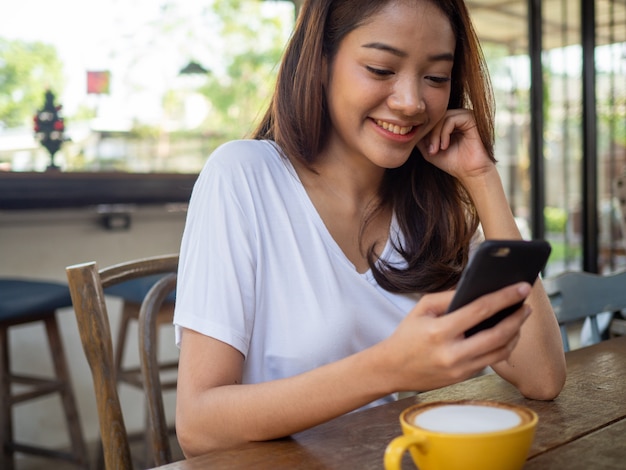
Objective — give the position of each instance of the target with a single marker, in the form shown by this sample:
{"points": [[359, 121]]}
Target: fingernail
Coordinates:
{"points": [[431, 148], [524, 289]]}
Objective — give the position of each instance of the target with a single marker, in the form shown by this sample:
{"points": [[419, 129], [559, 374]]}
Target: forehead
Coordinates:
{"points": [[408, 25]]}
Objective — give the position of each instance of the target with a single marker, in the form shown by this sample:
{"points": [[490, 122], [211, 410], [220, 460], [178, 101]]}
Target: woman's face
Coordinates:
{"points": [[389, 83]]}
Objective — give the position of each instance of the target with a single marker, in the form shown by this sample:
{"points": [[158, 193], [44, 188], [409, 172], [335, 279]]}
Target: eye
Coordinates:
{"points": [[378, 72], [438, 80]]}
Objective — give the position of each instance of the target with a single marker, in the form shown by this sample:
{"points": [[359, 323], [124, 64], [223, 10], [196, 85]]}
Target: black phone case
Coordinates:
{"points": [[497, 264]]}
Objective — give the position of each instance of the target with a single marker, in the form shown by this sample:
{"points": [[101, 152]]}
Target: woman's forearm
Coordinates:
{"points": [[537, 365], [493, 208], [228, 415]]}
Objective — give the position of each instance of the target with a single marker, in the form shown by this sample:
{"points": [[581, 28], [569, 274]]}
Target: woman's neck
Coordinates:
{"points": [[345, 197]]}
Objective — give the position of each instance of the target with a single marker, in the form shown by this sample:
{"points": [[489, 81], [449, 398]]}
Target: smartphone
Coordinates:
{"points": [[497, 264]]}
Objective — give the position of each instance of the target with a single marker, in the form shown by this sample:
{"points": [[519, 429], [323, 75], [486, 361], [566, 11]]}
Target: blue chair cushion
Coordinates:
{"points": [[21, 297], [135, 290]]}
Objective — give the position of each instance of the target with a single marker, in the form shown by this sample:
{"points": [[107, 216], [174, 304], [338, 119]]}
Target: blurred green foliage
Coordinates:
{"points": [[27, 69], [555, 218], [239, 96]]}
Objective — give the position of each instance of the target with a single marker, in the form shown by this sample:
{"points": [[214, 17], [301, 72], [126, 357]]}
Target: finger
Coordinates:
{"points": [[454, 123], [435, 304], [484, 307], [432, 141], [494, 344], [499, 354], [446, 132], [502, 333], [429, 145]]}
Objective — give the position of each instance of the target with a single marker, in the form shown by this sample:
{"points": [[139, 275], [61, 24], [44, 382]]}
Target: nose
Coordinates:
{"points": [[407, 97]]}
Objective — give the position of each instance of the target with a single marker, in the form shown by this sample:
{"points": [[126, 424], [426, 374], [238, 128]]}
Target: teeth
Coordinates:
{"points": [[393, 127]]}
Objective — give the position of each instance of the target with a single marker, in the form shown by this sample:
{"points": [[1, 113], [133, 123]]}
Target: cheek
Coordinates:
{"points": [[437, 103], [352, 88]]}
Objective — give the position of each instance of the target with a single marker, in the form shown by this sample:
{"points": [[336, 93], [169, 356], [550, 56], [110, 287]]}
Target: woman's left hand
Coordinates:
{"points": [[454, 146]]}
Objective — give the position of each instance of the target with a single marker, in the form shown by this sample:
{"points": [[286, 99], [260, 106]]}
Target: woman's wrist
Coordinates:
{"points": [[480, 184], [489, 198]]}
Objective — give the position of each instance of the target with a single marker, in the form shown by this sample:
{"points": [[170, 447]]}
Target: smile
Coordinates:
{"points": [[394, 128]]}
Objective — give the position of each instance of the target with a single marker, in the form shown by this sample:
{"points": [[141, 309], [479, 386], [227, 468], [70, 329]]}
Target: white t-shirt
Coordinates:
{"points": [[260, 271]]}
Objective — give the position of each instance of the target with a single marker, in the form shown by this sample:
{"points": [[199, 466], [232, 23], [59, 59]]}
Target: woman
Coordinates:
{"points": [[318, 259]]}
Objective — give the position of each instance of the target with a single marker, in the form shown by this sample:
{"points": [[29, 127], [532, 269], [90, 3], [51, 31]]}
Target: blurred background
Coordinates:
{"points": [[155, 86], [144, 90], [144, 86]]}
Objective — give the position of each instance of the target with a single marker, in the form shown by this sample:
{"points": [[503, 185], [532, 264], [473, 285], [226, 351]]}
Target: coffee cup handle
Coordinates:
{"points": [[397, 447]]}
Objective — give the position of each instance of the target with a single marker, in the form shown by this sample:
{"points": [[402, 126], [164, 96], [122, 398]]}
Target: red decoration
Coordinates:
{"points": [[98, 82]]}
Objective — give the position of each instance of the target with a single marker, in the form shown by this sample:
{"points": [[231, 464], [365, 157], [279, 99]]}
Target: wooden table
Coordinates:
{"points": [[583, 429]]}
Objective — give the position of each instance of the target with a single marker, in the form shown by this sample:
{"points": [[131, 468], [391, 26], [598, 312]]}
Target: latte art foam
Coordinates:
{"points": [[467, 419]]}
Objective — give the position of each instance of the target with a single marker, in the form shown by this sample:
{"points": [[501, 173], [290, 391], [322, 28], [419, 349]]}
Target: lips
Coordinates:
{"points": [[394, 128]]}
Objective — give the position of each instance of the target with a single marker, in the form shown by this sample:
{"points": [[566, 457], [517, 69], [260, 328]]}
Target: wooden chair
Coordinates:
{"points": [[576, 296], [87, 284], [132, 293], [30, 301]]}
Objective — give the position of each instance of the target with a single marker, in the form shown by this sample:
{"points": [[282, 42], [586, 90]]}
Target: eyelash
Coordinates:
{"points": [[385, 73], [379, 72], [439, 80]]}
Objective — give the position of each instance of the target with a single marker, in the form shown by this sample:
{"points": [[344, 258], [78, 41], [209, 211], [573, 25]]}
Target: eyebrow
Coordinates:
{"points": [[446, 56]]}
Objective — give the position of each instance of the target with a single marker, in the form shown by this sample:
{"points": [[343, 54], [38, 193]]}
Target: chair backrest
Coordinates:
{"points": [[579, 295], [620, 192], [87, 283]]}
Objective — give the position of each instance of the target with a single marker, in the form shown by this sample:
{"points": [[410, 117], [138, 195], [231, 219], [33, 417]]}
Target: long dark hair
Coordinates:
{"points": [[435, 214]]}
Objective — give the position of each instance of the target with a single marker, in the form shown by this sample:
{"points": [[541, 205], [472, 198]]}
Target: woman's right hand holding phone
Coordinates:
{"points": [[429, 349]]}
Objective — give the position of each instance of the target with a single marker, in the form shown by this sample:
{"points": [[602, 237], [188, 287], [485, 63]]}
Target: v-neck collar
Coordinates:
{"points": [[325, 233]]}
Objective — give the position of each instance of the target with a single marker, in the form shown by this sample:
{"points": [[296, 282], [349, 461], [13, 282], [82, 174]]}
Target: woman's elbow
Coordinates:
{"points": [[547, 388], [195, 437], [188, 441], [193, 440]]}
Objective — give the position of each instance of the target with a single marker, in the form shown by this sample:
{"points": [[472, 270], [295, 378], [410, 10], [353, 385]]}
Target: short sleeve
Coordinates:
{"points": [[215, 289]]}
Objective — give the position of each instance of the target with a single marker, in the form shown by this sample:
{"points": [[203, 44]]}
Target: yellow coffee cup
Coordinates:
{"points": [[464, 435]]}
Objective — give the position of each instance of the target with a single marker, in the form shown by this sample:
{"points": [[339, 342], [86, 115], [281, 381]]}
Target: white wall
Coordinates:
{"points": [[39, 245]]}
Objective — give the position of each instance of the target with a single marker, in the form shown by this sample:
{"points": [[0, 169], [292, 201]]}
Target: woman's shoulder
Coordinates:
{"points": [[255, 161], [244, 152]]}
